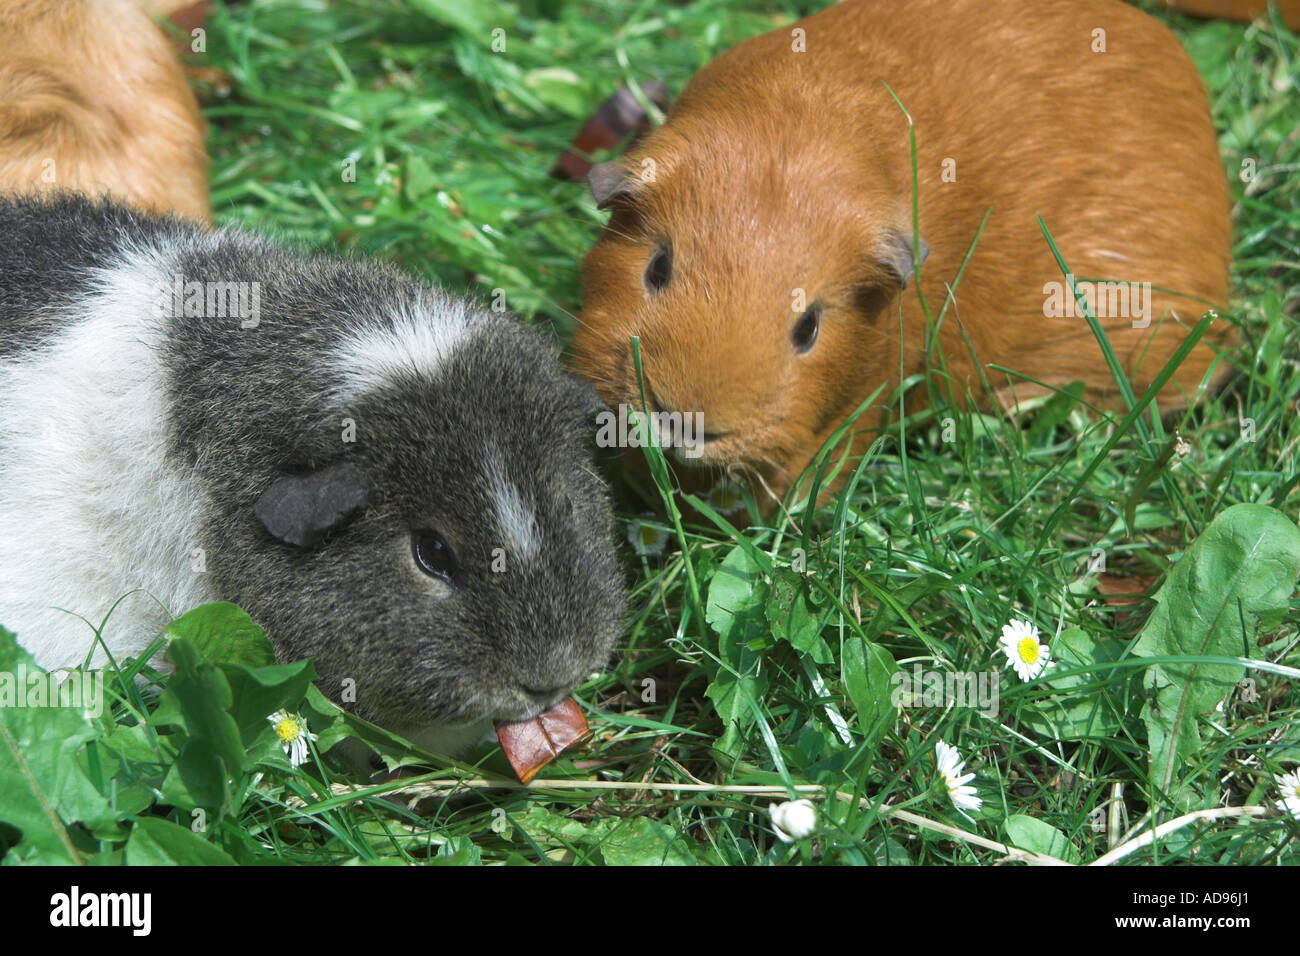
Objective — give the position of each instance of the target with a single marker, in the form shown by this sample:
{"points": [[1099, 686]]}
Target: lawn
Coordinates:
{"points": [[758, 664]]}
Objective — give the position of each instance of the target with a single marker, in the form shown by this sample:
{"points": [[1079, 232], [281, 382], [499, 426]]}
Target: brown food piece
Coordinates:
{"points": [[530, 745], [613, 120]]}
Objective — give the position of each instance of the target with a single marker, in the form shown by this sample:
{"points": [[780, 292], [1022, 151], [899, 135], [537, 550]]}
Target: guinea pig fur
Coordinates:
{"points": [[390, 480], [92, 98], [1288, 10], [760, 239]]}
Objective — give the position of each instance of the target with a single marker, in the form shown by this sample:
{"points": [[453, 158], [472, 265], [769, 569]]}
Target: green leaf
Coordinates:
{"points": [[1084, 706], [640, 841], [198, 698], [131, 742], [736, 591], [43, 786], [197, 779], [889, 852], [458, 851], [1034, 835], [224, 633], [793, 618], [158, 842], [635, 841], [867, 671], [258, 692], [1238, 574], [735, 611]]}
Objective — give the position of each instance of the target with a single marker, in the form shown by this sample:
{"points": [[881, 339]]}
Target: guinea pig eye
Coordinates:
{"points": [[805, 330], [660, 270], [433, 555]]}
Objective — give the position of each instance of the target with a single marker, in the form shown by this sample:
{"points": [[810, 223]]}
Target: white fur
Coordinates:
{"points": [[417, 344], [91, 509], [515, 519]]}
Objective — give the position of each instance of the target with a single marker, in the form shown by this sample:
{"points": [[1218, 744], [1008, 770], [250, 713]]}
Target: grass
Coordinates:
{"points": [[948, 531]]}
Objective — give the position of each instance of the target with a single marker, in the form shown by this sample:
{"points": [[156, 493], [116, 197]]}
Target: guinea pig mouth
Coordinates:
{"points": [[519, 702], [682, 433]]}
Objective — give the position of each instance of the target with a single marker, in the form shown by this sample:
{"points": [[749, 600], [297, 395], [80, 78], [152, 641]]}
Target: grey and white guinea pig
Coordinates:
{"points": [[456, 559]]}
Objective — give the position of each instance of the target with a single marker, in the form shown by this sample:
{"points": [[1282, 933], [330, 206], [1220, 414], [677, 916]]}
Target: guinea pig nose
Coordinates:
{"points": [[546, 691], [657, 407]]}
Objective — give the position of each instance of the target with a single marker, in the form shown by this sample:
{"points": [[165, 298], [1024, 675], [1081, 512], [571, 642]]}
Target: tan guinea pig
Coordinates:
{"points": [[93, 99], [1289, 10], [760, 237]]}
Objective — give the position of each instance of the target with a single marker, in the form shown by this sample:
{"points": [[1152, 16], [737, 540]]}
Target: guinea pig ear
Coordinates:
{"points": [[900, 254], [301, 509], [610, 180]]}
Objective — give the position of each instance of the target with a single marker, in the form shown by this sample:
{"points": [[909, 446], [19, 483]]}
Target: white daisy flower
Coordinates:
{"points": [[1020, 642], [292, 731], [725, 497], [646, 538], [1290, 784], [794, 820], [957, 783]]}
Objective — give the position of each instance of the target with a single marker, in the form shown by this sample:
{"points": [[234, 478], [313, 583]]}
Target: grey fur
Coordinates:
{"points": [[610, 180], [302, 509], [900, 255], [254, 413]]}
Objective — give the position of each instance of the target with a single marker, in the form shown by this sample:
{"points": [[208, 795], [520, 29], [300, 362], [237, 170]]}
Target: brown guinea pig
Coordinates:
{"points": [[93, 99], [1288, 10], [761, 242]]}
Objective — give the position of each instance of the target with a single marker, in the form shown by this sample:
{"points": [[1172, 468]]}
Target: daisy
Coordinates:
{"points": [[292, 731], [1020, 642], [957, 783], [646, 538], [725, 497], [1290, 784], [794, 820]]}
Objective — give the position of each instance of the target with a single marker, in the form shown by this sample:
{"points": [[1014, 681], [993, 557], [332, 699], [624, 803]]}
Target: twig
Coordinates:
{"points": [[1187, 819]]}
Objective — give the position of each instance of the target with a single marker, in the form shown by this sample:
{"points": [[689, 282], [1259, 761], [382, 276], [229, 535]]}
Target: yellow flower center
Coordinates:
{"points": [[649, 536], [287, 729], [724, 499], [1028, 650], [1297, 790]]}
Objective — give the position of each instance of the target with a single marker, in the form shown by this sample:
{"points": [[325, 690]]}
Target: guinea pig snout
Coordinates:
{"points": [[524, 700], [683, 429], [544, 697]]}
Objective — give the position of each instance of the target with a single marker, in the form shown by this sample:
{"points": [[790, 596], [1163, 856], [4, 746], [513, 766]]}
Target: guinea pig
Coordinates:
{"points": [[391, 481], [92, 98], [1289, 10], [761, 239]]}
